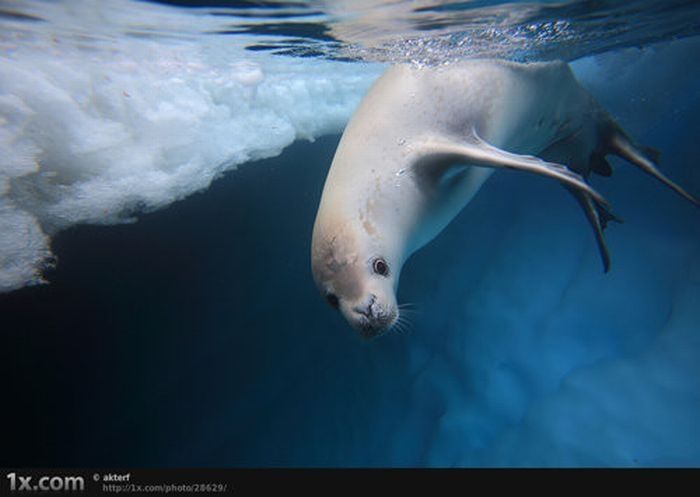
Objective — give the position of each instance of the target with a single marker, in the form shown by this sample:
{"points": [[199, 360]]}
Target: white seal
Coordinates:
{"points": [[422, 143]]}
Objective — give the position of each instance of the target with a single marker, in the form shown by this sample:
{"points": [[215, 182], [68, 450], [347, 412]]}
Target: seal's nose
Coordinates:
{"points": [[366, 308], [371, 318]]}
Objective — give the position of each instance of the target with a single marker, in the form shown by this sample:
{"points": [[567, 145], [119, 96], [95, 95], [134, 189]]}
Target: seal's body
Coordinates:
{"points": [[420, 146]]}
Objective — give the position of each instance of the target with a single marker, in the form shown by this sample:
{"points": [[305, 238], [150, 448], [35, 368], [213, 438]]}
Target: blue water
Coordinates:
{"points": [[195, 336]]}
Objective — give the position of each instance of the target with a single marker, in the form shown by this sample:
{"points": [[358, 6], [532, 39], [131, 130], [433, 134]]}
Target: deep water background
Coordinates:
{"points": [[195, 337]]}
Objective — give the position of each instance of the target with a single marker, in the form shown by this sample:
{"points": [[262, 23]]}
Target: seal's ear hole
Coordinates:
{"points": [[332, 300], [380, 267]]}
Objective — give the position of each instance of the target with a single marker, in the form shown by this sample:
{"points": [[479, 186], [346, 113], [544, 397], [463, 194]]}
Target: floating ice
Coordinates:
{"points": [[95, 128]]}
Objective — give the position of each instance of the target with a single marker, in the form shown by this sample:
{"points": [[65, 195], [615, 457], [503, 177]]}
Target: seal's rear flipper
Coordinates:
{"points": [[621, 146], [437, 157], [599, 218]]}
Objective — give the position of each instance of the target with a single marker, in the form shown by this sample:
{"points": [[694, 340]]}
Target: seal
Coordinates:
{"points": [[422, 143]]}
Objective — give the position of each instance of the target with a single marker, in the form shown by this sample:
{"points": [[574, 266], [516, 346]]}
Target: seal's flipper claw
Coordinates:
{"points": [[598, 219], [621, 146], [435, 153]]}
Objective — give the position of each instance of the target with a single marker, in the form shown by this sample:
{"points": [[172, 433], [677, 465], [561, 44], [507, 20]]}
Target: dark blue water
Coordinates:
{"points": [[195, 336], [151, 336]]}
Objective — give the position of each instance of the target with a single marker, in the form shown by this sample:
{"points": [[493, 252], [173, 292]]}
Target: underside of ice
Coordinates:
{"points": [[95, 134]]}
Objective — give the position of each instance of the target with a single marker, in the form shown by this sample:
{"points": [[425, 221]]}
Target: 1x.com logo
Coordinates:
{"points": [[19, 483]]}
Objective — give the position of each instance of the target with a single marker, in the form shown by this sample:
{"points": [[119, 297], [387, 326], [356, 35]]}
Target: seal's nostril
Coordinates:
{"points": [[366, 309]]}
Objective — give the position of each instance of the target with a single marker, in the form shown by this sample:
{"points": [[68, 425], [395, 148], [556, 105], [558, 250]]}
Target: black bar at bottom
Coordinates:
{"points": [[431, 482]]}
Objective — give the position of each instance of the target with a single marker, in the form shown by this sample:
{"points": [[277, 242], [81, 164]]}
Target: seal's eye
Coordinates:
{"points": [[332, 299], [380, 267]]}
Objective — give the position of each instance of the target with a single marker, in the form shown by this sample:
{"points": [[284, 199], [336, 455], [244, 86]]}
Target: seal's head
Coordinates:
{"points": [[357, 277]]}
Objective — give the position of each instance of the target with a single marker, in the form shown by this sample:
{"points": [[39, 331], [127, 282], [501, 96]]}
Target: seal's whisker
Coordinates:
{"points": [[408, 305], [408, 312], [409, 308], [402, 326]]}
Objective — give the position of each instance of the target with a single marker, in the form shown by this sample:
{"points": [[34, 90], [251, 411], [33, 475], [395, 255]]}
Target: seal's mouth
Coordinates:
{"points": [[370, 330], [373, 319]]}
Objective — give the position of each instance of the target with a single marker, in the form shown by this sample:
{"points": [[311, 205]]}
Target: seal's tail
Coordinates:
{"points": [[613, 140], [645, 159], [598, 216]]}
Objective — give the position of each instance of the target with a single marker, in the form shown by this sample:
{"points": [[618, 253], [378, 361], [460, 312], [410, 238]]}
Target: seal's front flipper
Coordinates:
{"points": [[621, 146], [599, 219], [437, 157]]}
